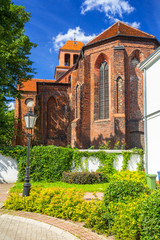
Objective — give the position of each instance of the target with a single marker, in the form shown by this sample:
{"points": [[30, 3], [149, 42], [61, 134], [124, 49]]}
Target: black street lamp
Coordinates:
{"points": [[30, 120]]}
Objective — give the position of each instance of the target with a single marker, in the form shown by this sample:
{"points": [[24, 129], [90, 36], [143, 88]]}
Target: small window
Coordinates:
{"points": [[29, 102], [75, 57], [67, 60], [69, 79]]}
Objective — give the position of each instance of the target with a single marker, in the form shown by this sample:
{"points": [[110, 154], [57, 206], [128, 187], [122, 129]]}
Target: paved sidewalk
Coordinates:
{"points": [[4, 190], [14, 225], [20, 228]]}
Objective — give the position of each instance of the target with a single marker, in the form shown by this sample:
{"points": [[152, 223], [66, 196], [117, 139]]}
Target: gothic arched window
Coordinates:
{"points": [[77, 101], [103, 92]]}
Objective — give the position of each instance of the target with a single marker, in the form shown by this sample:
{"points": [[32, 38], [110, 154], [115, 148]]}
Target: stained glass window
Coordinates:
{"points": [[103, 92]]}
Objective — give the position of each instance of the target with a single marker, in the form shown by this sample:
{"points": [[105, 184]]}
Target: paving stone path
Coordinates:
{"points": [[19, 225]]}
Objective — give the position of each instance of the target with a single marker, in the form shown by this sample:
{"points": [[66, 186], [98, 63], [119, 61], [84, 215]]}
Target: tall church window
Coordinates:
{"points": [[75, 57], [67, 60], [77, 101], [103, 92]]}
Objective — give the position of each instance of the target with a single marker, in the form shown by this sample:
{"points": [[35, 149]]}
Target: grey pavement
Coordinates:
{"points": [[19, 228]]}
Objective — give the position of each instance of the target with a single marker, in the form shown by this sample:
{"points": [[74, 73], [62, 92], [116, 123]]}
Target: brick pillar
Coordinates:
{"points": [[119, 94]]}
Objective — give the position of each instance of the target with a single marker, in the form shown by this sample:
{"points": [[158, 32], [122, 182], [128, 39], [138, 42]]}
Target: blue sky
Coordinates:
{"points": [[53, 22]]}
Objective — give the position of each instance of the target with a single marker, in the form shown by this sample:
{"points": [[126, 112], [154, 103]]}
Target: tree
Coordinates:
{"points": [[15, 48], [7, 131]]}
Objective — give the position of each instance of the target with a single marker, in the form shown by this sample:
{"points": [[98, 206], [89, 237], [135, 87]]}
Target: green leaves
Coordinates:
{"points": [[121, 191], [7, 126], [150, 217], [15, 48]]}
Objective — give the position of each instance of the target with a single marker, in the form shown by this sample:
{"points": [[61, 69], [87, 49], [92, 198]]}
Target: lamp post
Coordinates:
{"points": [[30, 120]]}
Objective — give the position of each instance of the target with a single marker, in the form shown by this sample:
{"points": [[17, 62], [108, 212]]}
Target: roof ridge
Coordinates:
{"points": [[120, 29], [135, 28], [101, 33]]}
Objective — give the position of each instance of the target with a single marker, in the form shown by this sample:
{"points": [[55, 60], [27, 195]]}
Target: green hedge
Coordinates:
{"points": [[47, 163], [83, 177], [120, 191]]}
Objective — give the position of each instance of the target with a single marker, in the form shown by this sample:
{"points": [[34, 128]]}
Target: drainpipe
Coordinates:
{"points": [[145, 122], [43, 141]]}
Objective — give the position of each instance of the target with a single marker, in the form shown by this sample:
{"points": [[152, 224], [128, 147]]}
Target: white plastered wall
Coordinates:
{"points": [[153, 122], [8, 169]]}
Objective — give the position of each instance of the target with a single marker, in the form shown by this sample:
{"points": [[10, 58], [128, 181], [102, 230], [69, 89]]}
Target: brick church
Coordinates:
{"points": [[97, 94]]}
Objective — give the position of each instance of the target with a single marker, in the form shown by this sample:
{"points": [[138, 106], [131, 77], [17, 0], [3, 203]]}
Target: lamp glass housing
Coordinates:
{"points": [[30, 120]]}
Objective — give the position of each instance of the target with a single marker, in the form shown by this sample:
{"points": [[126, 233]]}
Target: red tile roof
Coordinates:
{"points": [[120, 28], [72, 45], [31, 85]]}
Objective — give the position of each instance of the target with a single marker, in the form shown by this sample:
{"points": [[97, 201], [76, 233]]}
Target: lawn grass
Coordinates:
{"points": [[99, 187]]}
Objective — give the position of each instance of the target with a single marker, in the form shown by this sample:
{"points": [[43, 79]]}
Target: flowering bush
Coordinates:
{"points": [[150, 217]]}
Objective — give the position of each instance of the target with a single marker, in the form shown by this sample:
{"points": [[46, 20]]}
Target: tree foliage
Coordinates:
{"points": [[7, 130], [15, 48]]}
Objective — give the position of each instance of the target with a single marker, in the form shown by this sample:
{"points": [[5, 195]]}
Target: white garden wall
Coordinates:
{"points": [[8, 169], [93, 163]]}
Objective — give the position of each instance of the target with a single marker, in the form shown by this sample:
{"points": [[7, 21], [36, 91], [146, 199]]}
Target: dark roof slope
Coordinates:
{"points": [[121, 29]]}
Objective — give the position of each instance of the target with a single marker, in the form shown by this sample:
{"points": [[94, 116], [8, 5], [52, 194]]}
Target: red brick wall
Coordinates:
{"points": [[20, 110], [125, 93], [54, 114]]}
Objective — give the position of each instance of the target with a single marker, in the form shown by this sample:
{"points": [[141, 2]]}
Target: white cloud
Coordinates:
{"points": [[111, 8], [61, 38], [133, 24], [11, 106]]}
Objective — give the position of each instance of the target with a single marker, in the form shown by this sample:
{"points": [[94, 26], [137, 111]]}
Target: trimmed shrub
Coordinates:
{"points": [[150, 217], [60, 203], [121, 191], [136, 176], [57, 202], [83, 177]]}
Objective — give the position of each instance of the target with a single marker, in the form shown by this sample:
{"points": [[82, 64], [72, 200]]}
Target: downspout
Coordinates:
{"points": [[145, 122], [43, 140]]}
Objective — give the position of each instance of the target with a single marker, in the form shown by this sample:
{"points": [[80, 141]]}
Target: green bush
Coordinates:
{"points": [[97, 220], [126, 221], [56, 202], [83, 177], [150, 217], [120, 191], [136, 176]]}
